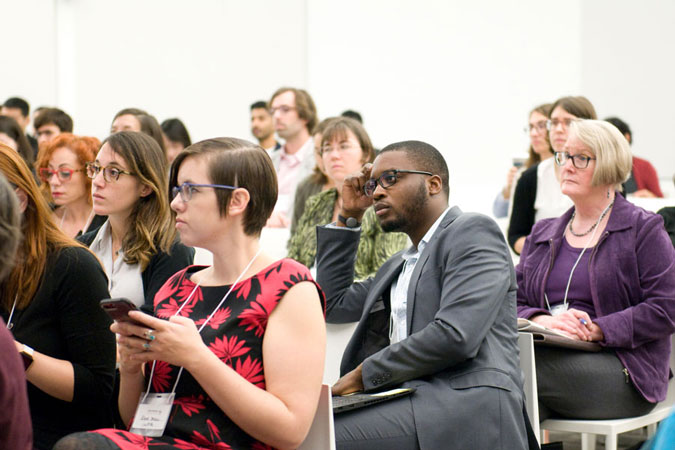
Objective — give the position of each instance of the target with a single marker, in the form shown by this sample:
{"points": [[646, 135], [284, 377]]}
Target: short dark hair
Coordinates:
{"points": [[579, 106], [352, 115], [304, 105], [424, 157], [18, 103], [10, 227], [236, 162], [11, 128], [57, 117], [622, 126], [175, 130], [260, 104]]}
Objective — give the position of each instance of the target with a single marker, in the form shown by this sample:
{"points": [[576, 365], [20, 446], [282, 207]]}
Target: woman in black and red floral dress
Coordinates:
{"points": [[248, 332]]}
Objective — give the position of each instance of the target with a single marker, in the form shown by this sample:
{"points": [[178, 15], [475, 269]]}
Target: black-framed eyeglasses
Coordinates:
{"points": [[109, 173], [387, 179], [551, 124], [187, 189], [63, 174], [578, 161]]}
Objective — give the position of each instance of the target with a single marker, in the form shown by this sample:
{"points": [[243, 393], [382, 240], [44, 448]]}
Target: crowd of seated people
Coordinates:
{"points": [[231, 355]]}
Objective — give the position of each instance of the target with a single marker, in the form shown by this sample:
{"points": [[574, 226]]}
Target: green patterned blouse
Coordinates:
{"points": [[375, 247]]}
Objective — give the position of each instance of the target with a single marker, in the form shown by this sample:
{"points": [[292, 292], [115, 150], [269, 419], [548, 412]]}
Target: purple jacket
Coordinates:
{"points": [[632, 276]]}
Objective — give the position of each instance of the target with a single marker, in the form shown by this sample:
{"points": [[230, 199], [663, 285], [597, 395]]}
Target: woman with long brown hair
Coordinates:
{"points": [[50, 304], [138, 244]]}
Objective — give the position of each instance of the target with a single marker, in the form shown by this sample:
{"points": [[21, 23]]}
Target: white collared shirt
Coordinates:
{"points": [[399, 288], [124, 280]]}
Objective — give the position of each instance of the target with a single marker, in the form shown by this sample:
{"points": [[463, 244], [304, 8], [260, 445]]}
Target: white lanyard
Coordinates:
{"points": [[10, 325], [559, 309], [180, 372]]}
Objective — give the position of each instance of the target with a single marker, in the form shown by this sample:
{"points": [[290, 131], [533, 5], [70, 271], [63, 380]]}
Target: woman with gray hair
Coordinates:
{"points": [[602, 272]]}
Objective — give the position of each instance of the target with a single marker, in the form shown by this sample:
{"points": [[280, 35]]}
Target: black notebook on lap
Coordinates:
{"points": [[342, 403]]}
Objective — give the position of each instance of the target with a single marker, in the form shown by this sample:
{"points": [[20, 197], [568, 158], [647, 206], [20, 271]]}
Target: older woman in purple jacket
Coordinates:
{"points": [[603, 272]]}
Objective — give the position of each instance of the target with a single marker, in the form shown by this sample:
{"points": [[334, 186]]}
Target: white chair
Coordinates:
{"points": [[321, 435], [590, 428], [337, 338], [527, 365]]}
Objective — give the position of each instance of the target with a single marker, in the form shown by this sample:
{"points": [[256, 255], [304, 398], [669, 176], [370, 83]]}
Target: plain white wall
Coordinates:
{"points": [[628, 70], [460, 75]]}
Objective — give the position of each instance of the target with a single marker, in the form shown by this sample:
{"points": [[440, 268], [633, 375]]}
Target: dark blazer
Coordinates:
{"points": [[461, 352]]}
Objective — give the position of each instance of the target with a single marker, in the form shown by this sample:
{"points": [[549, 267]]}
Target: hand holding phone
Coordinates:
{"points": [[118, 309]]}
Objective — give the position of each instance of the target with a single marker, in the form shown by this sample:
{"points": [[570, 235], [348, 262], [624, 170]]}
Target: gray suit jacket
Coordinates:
{"points": [[461, 352]]}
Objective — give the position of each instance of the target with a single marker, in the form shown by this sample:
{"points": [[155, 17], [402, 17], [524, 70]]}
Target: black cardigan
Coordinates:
{"points": [[63, 320], [159, 269], [522, 214]]}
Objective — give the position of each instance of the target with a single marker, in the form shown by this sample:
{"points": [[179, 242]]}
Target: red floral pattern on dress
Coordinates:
{"points": [[161, 376], [234, 334], [218, 318], [226, 349], [191, 404], [252, 370]]}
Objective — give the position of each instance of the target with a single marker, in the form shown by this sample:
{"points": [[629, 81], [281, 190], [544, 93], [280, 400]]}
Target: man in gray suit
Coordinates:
{"points": [[440, 316]]}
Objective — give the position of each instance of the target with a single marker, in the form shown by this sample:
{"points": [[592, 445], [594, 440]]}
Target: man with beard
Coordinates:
{"points": [[262, 126], [294, 115], [439, 317]]}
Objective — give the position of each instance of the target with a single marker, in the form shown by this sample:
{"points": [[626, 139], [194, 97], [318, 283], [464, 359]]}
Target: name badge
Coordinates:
{"points": [[559, 309], [152, 414]]}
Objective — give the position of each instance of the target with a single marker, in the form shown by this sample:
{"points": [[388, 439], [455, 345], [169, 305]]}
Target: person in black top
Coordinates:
{"points": [[50, 304]]}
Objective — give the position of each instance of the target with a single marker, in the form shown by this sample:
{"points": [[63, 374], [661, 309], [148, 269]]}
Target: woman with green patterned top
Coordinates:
{"points": [[345, 147]]}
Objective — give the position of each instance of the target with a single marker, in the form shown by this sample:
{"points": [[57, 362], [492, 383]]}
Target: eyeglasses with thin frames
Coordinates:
{"points": [[578, 161], [341, 148], [63, 174], [539, 126], [109, 173], [283, 109], [187, 189], [551, 124], [387, 179]]}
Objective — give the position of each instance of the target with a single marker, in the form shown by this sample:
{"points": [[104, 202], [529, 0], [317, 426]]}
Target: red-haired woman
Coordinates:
{"points": [[61, 167], [50, 304]]}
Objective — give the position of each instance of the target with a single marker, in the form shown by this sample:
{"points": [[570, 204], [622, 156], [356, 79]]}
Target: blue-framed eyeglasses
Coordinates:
{"points": [[187, 189]]}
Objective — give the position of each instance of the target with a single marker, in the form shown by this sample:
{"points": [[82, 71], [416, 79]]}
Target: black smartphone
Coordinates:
{"points": [[118, 309]]}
